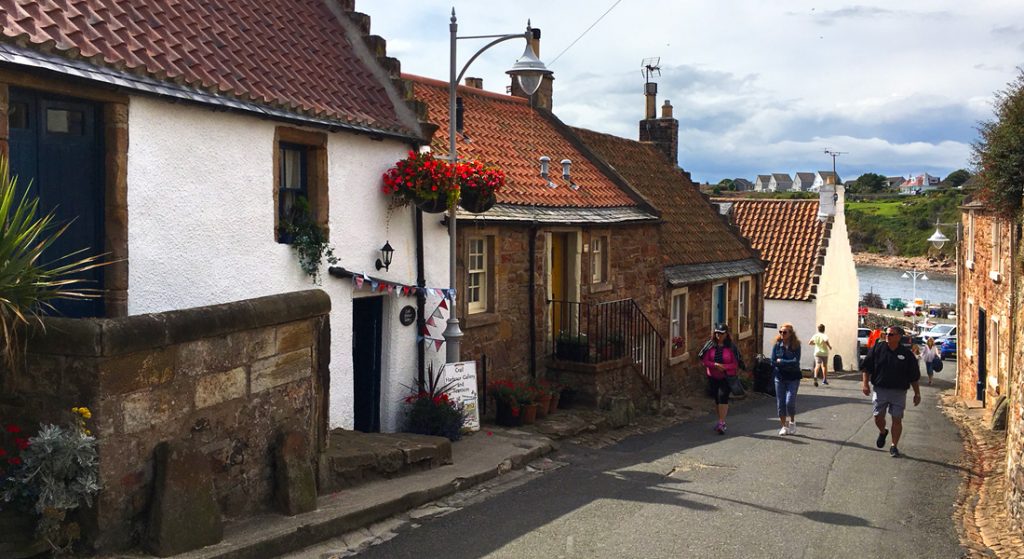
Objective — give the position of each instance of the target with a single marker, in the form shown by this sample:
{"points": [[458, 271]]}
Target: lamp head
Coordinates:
{"points": [[386, 253], [528, 69], [938, 239]]}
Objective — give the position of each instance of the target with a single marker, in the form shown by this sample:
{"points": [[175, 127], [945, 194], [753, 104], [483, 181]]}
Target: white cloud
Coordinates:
{"points": [[757, 87]]}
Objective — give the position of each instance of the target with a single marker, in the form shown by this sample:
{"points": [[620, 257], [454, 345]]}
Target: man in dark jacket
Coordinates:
{"points": [[892, 369]]}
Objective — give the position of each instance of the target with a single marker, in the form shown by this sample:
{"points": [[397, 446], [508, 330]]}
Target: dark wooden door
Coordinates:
{"points": [[982, 354], [56, 152], [367, 316]]}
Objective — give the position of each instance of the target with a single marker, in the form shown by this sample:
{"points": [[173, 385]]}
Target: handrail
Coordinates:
{"points": [[601, 332]]}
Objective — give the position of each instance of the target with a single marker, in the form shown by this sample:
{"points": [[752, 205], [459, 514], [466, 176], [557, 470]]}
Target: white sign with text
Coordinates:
{"points": [[462, 377]]}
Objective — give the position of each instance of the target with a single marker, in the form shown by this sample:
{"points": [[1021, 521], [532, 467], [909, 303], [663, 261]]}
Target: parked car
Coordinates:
{"points": [[862, 340], [948, 347]]}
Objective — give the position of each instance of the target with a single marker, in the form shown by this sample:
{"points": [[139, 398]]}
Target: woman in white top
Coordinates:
{"points": [[928, 355]]}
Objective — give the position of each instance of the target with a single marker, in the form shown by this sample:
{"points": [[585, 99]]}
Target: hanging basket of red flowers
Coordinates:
{"points": [[478, 184], [420, 178]]}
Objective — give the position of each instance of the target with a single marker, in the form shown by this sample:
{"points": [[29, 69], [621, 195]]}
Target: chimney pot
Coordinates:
{"points": [[475, 83], [666, 109]]}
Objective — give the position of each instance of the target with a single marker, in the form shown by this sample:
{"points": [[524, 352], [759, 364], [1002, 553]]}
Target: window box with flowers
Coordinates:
{"points": [[478, 184], [423, 180], [678, 346]]}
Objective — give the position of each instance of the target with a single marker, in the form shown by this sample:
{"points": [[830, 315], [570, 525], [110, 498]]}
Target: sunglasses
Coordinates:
{"points": [[719, 332], [784, 331]]}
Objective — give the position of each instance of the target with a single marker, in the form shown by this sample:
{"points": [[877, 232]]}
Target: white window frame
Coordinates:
{"points": [[962, 346], [749, 329], [599, 262], [480, 304], [677, 323], [970, 240], [994, 361], [996, 267]]}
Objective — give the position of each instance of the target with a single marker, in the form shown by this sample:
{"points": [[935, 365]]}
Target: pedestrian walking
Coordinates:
{"points": [[786, 363], [874, 337], [892, 369], [929, 355], [721, 360], [821, 349]]}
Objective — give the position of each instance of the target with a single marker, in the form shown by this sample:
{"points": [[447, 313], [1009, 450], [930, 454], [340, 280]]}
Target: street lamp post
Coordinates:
{"points": [[914, 274], [529, 70]]}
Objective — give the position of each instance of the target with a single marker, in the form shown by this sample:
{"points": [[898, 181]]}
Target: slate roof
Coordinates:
{"points": [[507, 132], [692, 230], [805, 180], [790, 239], [292, 55], [782, 178]]}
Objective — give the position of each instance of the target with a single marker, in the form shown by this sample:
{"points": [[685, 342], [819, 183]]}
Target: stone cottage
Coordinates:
{"points": [[810, 277]]}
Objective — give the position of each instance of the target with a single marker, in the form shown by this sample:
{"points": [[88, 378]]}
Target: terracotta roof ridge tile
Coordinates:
{"points": [[465, 89]]}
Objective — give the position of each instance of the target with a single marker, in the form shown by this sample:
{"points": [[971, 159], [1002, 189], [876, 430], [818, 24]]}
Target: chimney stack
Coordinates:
{"points": [[475, 83], [662, 132], [542, 98]]}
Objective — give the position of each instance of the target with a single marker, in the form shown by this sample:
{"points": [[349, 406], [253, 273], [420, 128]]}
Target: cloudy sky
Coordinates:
{"points": [[758, 87]]}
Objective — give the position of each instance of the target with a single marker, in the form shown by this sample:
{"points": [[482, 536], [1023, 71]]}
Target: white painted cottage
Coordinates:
{"points": [[810, 278], [180, 136]]}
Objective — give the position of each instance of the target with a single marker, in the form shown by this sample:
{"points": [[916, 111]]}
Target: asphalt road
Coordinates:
{"points": [[688, 492]]}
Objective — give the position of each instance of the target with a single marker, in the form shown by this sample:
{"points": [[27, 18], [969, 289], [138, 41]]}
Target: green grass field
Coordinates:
{"points": [[901, 225]]}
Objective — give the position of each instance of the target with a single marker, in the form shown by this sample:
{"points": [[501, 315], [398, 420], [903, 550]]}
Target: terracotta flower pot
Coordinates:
{"points": [[528, 413], [543, 405], [554, 403], [472, 201]]}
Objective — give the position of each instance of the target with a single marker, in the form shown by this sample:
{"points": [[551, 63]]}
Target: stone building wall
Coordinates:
{"points": [[224, 379], [1015, 416], [979, 291]]}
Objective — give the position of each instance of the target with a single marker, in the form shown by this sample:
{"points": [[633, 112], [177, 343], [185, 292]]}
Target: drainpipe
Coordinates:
{"points": [[533, 299], [420, 297]]}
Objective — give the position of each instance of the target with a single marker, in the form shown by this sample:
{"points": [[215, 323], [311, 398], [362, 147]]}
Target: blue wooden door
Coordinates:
{"points": [[56, 152]]}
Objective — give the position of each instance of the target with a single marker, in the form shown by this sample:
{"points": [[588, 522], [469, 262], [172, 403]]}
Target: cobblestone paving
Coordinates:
{"points": [[985, 528]]}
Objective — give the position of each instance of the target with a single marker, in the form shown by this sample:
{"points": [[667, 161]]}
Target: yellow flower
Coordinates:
{"points": [[74, 410], [86, 413], [88, 433]]}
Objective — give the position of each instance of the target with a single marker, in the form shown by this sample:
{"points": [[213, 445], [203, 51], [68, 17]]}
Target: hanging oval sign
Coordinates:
{"points": [[407, 315]]}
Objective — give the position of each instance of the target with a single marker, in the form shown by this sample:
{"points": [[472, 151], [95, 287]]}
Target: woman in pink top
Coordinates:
{"points": [[720, 360]]}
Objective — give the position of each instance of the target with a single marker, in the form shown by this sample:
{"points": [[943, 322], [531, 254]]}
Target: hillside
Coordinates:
{"points": [[901, 225]]}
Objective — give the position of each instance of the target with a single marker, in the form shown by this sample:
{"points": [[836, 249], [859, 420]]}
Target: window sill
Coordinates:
{"points": [[969, 264], [995, 276], [600, 287], [745, 335], [676, 359], [477, 320]]}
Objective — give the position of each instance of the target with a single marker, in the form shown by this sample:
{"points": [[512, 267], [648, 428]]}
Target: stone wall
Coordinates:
{"points": [[979, 291], [636, 271], [1015, 416], [224, 379]]}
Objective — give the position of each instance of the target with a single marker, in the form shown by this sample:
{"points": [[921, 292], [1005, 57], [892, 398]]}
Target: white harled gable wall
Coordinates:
{"points": [[801, 315], [201, 232]]}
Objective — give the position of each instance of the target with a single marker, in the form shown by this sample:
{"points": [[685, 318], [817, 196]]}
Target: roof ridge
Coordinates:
{"points": [[461, 88]]}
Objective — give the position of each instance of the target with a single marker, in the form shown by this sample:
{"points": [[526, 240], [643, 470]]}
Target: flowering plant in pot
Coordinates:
{"points": [[420, 178], [509, 397], [478, 184], [432, 411], [48, 476]]}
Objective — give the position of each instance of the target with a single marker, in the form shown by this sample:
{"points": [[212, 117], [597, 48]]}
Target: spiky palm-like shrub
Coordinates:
{"points": [[28, 285]]}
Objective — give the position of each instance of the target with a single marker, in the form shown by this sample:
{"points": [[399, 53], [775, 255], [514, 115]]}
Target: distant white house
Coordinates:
{"points": [[762, 182], [780, 182], [824, 177], [918, 184], [803, 182]]}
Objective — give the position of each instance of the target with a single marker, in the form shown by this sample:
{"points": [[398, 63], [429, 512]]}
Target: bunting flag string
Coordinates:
{"points": [[377, 285]]}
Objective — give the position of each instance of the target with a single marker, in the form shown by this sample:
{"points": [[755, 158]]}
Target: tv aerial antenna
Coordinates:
{"points": [[650, 67]]}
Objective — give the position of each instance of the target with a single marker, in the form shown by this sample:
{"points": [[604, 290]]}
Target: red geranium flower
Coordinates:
{"points": [[15, 461], [12, 428], [3, 453], [22, 444]]}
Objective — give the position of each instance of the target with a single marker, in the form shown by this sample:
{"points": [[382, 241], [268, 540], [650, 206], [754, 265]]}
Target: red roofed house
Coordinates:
{"points": [[179, 137], [810, 278], [574, 274]]}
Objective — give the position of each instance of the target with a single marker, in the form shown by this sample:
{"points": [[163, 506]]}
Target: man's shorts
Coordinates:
{"points": [[893, 399], [821, 360]]}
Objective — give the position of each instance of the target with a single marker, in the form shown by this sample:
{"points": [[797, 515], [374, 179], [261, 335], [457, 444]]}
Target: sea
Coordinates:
{"points": [[889, 283]]}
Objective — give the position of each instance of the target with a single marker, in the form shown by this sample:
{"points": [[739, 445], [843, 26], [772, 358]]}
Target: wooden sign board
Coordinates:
{"points": [[462, 377]]}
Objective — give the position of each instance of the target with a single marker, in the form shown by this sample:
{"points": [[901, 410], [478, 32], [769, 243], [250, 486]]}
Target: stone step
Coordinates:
{"points": [[354, 458]]}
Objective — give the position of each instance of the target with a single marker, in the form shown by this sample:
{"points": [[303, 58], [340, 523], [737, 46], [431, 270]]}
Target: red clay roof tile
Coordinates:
{"points": [[506, 132], [293, 55], [789, 236]]}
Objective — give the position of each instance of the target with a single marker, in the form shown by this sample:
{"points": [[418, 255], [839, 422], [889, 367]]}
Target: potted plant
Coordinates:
{"points": [[44, 479], [506, 402], [478, 184], [427, 182], [432, 411], [678, 346], [612, 346], [572, 347], [527, 396], [308, 240]]}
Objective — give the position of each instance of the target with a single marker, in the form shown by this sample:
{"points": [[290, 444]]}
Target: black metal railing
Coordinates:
{"points": [[599, 332]]}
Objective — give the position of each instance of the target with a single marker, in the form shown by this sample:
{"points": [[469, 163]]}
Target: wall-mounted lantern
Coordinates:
{"points": [[386, 252]]}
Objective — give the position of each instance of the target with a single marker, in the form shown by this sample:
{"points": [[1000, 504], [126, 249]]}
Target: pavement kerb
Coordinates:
{"points": [[476, 461]]}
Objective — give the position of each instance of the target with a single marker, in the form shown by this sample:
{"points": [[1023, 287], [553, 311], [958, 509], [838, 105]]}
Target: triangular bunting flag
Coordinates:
{"points": [[438, 343], [426, 332], [444, 304], [430, 322], [437, 313], [359, 281], [373, 285]]}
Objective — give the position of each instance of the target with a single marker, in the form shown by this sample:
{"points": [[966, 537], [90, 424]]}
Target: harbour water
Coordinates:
{"points": [[889, 283]]}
